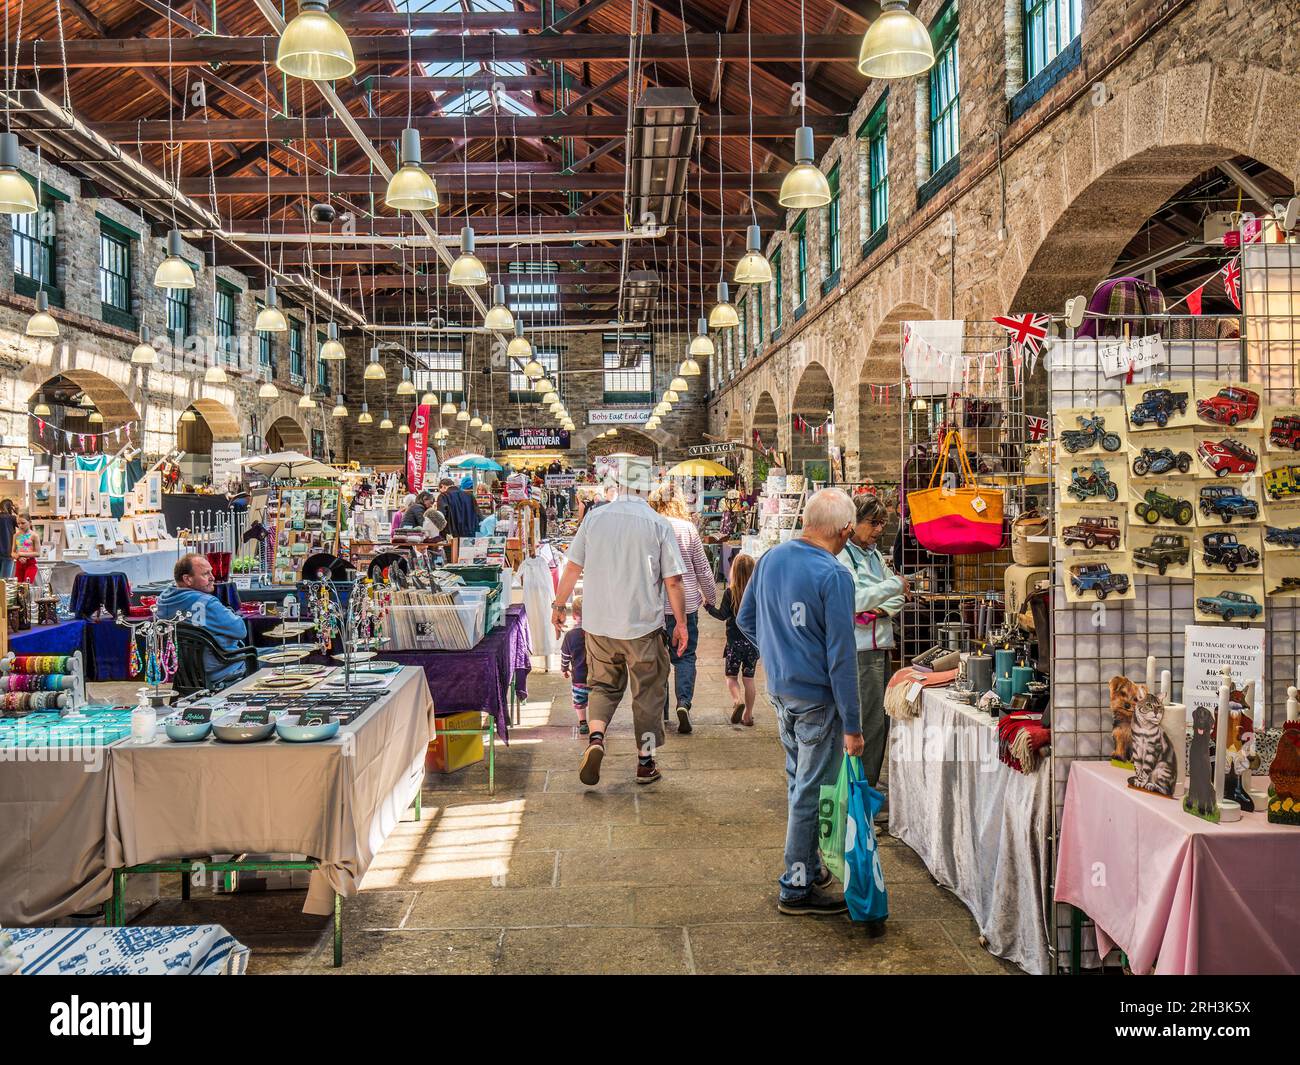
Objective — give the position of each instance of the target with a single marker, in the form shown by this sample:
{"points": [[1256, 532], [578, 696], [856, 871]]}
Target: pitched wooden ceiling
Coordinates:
{"points": [[261, 148]]}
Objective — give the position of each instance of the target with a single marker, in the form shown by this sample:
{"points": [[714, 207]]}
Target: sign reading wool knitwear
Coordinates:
{"points": [[532, 439], [417, 448]]}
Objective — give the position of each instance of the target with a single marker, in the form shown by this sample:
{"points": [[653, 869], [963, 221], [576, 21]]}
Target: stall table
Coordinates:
{"points": [[980, 826], [1181, 895], [142, 568], [65, 638], [185, 950], [336, 800]]}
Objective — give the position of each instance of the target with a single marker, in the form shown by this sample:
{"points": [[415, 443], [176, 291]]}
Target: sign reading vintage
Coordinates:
{"points": [[697, 451], [533, 439]]}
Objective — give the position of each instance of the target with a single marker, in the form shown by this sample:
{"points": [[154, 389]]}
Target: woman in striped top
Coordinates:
{"points": [[699, 587]]}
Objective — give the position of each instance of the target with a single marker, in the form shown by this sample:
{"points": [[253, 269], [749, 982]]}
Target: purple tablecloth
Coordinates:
{"points": [[478, 679]]}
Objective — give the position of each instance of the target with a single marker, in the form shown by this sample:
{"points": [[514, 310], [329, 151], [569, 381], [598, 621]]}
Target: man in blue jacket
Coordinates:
{"points": [[194, 594], [798, 609]]}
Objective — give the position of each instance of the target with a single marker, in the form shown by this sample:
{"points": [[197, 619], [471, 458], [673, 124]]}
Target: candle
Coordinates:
{"points": [[1221, 740], [1292, 705], [1166, 685], [1174, 722], [1003, 687], [1003, 660], [1020, 678], [1151, 673]]}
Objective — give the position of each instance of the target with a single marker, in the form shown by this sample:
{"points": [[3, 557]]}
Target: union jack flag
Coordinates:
{"points": [[1027, 330], [1036, 428], [1231, 275]]}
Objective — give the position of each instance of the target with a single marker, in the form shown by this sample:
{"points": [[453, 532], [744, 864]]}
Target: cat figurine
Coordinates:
{"points": [[1155, 764], [1123, 695], [1200, 798]]}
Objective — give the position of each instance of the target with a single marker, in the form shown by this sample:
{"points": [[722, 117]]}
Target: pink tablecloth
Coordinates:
{"points": [[1175, 893]]}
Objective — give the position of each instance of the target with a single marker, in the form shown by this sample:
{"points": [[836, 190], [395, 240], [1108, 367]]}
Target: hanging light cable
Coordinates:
{"points": [[753, 267], [805, 185]]}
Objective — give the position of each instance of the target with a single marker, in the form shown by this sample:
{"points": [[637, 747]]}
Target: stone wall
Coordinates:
{"points": [[1161, 92]]}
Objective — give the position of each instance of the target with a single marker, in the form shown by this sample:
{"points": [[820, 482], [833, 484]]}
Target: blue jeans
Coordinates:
{"points": [[683, 667], [814, 743]]}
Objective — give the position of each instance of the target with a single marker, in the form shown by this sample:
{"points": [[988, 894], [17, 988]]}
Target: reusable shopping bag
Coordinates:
{"points": [[965, 520], [864, 880], [832, 814]]}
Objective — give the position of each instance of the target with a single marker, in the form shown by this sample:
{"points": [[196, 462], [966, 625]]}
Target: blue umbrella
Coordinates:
{"points": [[473, 462]]}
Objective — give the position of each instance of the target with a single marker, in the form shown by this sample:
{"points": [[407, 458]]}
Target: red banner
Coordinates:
{"points": [[417, 448]]}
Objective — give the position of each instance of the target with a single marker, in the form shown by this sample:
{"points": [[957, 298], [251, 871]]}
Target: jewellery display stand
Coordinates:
{"points": [[160, 662]]}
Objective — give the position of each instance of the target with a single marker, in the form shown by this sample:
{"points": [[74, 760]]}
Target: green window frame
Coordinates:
{"points": [[36, 249], [227, 300], [176, 301], [742, 309], [800, 231], [297, 362], [1049, 27], [758, 317], [833, 223], [945, 91], [875, 137], [777, 289], [322, 368], [114, 271]]}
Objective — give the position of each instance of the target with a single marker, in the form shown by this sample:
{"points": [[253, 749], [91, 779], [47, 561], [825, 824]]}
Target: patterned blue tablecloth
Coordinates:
{"points": [[187, 950]]}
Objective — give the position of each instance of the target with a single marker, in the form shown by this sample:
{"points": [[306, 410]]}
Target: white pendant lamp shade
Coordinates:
{"points": [[545, 387], [386, 422], [16, 193], [268, 391], [406, 387], [805, 185], [467, 271], [519, 348], [671, 396], [215, 375], [42, 409], [188, 417], [173, 271], [364, 417], [306, 403], [403, 430], [270, 319], [42, 323], [753, 268], [410, 188], [499, 316], [314, 47], [679, 385], [340, 408], [723, 314], [487, 427], [701, 347], [428, 400], [95, 418], [653, 423], [448, 407], [662, 408], [896, 45], [143, 354], [332, 350], [689, 368], [374, 368], [476, 422], [462, 415]]}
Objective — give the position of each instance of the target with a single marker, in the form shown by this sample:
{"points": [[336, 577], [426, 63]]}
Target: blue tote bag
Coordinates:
{"points": [[864, 880]]}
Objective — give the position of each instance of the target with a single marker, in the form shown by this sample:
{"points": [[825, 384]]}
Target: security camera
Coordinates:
{"points": [[323, 213]]}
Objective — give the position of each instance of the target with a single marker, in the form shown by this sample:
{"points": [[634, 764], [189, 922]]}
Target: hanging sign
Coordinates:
{"points": [[533, 439], [1122, 356], [696, 451], [417, 449], [618, 415], [225, 462], [561, 480]]}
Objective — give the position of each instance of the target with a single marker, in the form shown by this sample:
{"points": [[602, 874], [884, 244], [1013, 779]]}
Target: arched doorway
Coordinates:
{"points": [[285, 434], [202, 424], [764, 435], [879, 436], [812, 429], [623, 441], [81, 412]]}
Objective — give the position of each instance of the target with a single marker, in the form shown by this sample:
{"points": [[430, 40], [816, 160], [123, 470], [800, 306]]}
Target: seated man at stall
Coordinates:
{"points": [[194, 594]]}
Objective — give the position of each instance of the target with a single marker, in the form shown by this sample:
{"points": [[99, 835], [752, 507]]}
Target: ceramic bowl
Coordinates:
{"points": [[229, 730], [288, 729], [179, 732]]}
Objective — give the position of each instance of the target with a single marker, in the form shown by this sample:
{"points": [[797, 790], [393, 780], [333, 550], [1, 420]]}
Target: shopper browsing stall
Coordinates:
{"points": [[194, 594], [27, 549], [458, 506]]}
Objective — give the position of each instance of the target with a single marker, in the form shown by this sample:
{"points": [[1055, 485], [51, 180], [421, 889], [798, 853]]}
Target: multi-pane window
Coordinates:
{"points": [[875, 169], [34, 246], [833, 223], [225, 316], [441, 372], [114, 271], [758, 317], [742, 309], [777, 290], [800, 230], [945, 91], [265, 346], [629, 368], [1050, 25], [177, 303], [322, 368], [297, 361], [531, 290]]}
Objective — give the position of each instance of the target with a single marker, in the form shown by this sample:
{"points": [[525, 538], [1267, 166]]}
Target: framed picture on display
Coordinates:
{"points": [[153, 489], [77, 503], [91, 491]]}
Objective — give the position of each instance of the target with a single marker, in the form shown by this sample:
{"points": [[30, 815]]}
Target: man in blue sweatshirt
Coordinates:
{"points": [[193, 593], [798, 609]]}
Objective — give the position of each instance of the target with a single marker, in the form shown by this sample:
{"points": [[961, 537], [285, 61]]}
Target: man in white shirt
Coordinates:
{"points": [[628, 558]]}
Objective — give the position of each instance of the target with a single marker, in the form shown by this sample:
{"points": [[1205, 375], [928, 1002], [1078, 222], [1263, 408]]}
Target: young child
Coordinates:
{"points": [[573, 664], [740, 657]]}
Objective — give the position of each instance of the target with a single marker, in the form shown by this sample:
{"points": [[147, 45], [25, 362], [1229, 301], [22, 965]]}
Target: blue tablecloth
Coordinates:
{"points": [[109, 649], [65, 638], [185, 950]]}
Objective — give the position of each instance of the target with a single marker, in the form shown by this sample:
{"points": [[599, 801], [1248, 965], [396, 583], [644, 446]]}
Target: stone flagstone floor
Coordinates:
{"points": [[549, 876]]}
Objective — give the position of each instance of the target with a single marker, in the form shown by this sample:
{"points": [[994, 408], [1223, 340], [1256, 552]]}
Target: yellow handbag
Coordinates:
{"points": [[956, 521]]}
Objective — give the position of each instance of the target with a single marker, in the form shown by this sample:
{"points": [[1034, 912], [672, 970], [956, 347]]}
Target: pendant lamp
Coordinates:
{"points": [[364, 417], [403, 430], [428, 400], [544, 387], [270, 319], [332, 350], [386, 422], [307, 402], [723, 315], [143, 354], [671, 397], [476, 422], [487, 427], [16, 193], [701, 346], [187, 416], [805, 185], [42, 409], [519, 348], [467, 271], [410, 188], [662, 408], [462, 415], [896, 45], [95, 418], [268, 391], [678, 384], [448, 407], [215, 375], [340, 408], [173, 271], [753, 268], [42, 323], [406, 387], [374, 368], [498, 316], [314, 47]]}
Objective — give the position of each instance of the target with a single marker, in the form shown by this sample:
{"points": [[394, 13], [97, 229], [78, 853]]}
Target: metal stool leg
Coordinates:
{"points": [[338, 930], [492, 755], [1076, 940]]}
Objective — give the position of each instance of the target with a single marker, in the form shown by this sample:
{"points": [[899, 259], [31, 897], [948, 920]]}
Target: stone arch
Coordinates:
{"points": [[657, 438], [285, 434], [285, 409], [813, 403], [111, 400], [735, 427], [221, 420], [879, 434], [1124, 159]]}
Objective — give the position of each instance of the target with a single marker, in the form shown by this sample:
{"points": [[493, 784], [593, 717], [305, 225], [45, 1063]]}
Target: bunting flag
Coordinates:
{"points": [[83, 441], [1036, 428], [1194, 299], [1231, 275], [1027, 331]]}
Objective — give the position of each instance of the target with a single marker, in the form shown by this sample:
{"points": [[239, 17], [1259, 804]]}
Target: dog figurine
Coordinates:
{"points": [[1124, 696], [1200, 798]]}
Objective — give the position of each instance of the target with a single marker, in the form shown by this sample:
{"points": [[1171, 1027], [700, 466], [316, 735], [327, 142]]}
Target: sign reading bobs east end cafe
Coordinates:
{"points": [[618, 415], [533, 439]]}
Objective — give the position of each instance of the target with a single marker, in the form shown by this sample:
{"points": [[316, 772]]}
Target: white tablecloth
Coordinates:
{"points": [[187, 950], [980, 827], [144, 568]]}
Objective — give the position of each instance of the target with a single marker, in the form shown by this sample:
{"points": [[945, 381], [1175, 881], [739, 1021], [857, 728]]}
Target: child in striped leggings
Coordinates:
{"points": [[573, 664]]}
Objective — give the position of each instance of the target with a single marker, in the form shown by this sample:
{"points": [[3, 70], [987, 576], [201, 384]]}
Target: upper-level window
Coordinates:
{"points": [[874, 145], [114, 271], [265, 346], [297, 360], [35, 246], [442, 372], [945, 91], [629, 368], [777, 289], [758, 317], [1050, 25], [225, 316], [177, 302], [322, 368], [742, 309], [800, 230], [531, 289], [833, 223]]}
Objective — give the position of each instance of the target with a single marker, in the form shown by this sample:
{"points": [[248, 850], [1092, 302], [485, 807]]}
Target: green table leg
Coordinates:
{"points": [[492, 755], [338, 930], [117, 904], [419, 801], [1076, 941]]}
